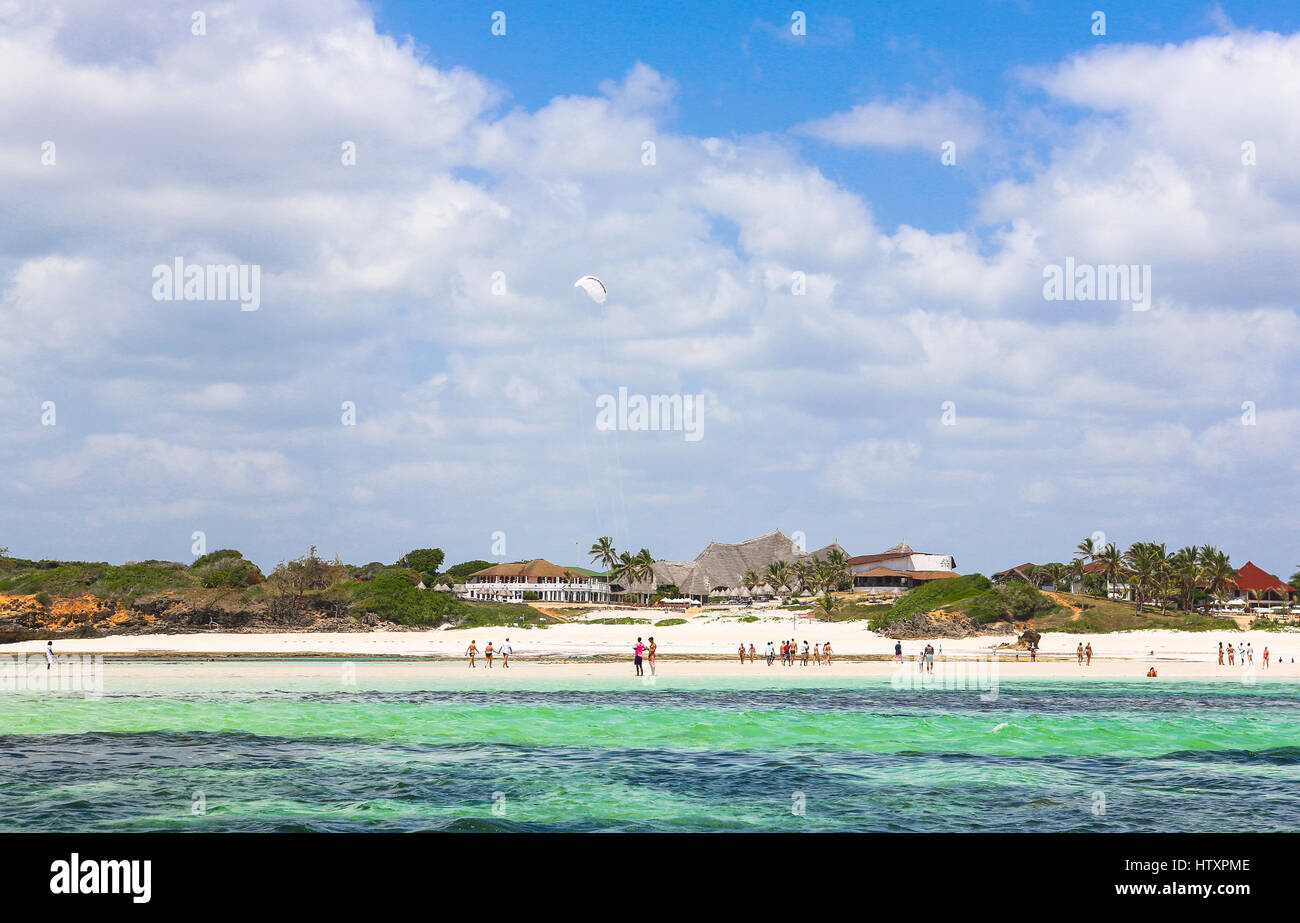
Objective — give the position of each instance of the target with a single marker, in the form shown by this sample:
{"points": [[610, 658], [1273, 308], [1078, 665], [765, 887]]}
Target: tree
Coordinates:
{"points": [[465, 568], [602, 552], [1113, 565], [778, 575], [827, 604], [750, 580], [424, 561]]}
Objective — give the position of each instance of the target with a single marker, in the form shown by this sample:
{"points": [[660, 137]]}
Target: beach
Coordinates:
{"points": [[707, 647]]}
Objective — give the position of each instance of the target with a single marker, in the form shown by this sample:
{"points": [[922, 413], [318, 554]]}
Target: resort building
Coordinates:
{"points": [[1257, 590], [719, 570], [551, 583], [898, 569]]}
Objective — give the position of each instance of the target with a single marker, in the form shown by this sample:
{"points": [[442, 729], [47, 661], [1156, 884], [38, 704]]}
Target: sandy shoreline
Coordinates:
{"points": [[704, 648]]}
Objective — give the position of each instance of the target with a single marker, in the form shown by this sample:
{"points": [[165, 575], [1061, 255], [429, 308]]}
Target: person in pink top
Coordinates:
{"points": [[637, 652]]}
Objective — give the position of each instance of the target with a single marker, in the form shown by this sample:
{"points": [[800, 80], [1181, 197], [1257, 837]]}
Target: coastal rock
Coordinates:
{"points": [[942, 623]]}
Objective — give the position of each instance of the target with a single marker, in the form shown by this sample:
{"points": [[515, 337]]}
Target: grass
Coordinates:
{"points": [[664, 623], [618, 620], [1105, 615], [126, 582]]}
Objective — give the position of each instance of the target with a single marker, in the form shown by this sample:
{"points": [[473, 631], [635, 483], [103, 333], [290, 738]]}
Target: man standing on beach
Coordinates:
{"points": [[771, 653], [636, 657], [898, 652], [651, 651], [49, 654], [506, 650]]}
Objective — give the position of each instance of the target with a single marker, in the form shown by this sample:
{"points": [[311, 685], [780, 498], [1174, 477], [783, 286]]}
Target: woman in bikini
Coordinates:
{"points": [[826, 652], [751, 653], [487, 654], [653, 647], [472, 651]]}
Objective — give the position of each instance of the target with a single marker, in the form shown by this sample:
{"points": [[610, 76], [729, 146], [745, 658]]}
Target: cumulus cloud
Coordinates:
{"points": [[429, 285]]}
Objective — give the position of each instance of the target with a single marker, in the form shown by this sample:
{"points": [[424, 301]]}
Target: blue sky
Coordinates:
{"points": [[520, 158]]}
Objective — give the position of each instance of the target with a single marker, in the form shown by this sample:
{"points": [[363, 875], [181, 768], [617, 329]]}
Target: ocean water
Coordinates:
{"points": [[687, 756]]}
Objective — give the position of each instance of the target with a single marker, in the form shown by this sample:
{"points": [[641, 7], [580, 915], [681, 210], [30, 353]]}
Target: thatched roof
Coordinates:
{"points": [[722, 565]]}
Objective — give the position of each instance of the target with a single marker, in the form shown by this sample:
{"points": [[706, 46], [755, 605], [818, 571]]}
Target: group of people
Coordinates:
{"points": [[1084, 654], [1247, 653], [644, 652], [791, 653], [504, 650]]}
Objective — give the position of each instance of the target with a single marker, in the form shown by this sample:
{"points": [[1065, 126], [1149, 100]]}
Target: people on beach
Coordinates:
{"points": [[1079, 652], [1232, 654], [898, 651], [742, 655], [487, 655], [505, 652], [1265, 656], [826, 652], [637, 652], [929, 658], [1087, 653], [805, 653], [651, 654], [1220, 653], [1151, 672], [771, 653], [1033, 653], [471, 652], [49, 654], [751, 653]]}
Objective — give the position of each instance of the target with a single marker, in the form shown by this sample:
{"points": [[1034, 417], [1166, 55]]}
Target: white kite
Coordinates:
{"points": [[593, 287]]}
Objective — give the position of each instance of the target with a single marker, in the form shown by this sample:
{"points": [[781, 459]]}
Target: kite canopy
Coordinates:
{"points": [[593, 287]]}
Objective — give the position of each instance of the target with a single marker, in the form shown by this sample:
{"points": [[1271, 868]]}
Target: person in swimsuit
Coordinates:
{"points": [[1220, 653], [742, 655], [636, 657], [653, 647], [471, 652], [506, 650], [487, 655], [1232, 654], [826, 652], [1079, 652], [817, 654], [898, 651], [1087, 653], [771, 654], [751, 653], [805, 653]]}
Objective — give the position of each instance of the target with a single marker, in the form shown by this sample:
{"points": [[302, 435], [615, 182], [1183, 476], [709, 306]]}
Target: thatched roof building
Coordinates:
{"points": [[719, 569]]}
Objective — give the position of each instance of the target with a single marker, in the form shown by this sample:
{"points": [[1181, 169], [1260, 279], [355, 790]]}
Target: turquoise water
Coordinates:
{"points": [[691, 756]]}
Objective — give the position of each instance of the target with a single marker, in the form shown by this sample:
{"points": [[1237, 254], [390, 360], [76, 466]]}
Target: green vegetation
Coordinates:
{"points": [[226, 568], [664, 623], [425, 562], [619, 620], [1012, 602], [126, 582], [930, 596], [1268, 625], [459, 572], [1103, 615]]}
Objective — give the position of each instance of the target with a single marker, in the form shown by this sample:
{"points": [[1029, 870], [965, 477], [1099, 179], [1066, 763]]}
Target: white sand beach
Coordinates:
{"points": [[706, 645]]}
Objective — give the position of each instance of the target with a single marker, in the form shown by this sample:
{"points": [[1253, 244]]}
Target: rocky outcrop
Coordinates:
{"points": [[942, 623], [37, 617]]}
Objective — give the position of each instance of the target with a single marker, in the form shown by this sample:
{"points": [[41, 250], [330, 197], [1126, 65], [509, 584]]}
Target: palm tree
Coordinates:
{"points": [[624, 569], [827, 604], [1144, 561], [1075, 571], [778, 575], [750, 580], [1185, 565], [1219, 575], [837, 565], [602, 552], [804, 576], [644, 561], [1113, 564], [1089, 549]]}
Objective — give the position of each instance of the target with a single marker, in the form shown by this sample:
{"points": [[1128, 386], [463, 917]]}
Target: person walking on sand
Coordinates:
{"points": [[487, 655], [817, 654], [506, 651], [651, 652], [771, 654], [636, 657], [751, 652], [1265, 656], [49, 654], [826, 652], [898, 652], [805, 653], [1079, 652], [471, 652], [1087, 653], [1220, 653], [742, 655], [1232, 654]]}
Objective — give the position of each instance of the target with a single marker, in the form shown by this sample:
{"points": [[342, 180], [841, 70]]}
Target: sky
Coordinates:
{"points": [[830, 225]]}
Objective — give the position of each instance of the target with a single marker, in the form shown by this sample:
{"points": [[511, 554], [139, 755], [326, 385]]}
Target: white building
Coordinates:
{"points": [[898, 569], [551, 583]]}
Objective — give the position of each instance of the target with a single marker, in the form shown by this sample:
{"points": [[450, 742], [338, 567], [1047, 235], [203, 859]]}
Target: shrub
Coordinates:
{"points": [[530, 595], [663, 623], [1009, 602]]}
